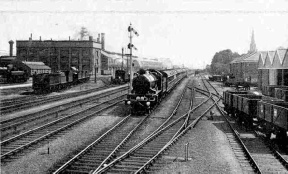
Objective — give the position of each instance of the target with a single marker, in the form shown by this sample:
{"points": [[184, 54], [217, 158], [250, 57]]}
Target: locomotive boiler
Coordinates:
{"points": [[145, 83]]}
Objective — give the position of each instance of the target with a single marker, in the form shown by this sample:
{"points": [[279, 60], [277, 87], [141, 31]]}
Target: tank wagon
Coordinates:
{"points": [[265, 113], [150, 86], [48, 82]]}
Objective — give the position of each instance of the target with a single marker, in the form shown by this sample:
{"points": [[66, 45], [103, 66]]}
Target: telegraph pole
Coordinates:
{"points": [[130, 46], [131, 71], [122, 58]]}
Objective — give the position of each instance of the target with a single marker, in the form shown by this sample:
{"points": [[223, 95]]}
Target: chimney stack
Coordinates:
{"points": [[40, 38], [103, 41], [69, 37], [98, 38], [11, 47], [90, 38]]}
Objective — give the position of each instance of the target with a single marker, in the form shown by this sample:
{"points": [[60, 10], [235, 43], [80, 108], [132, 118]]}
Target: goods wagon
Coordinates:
{"points": [[281, 93], [267, 114], [273, 119], [269, 90]]}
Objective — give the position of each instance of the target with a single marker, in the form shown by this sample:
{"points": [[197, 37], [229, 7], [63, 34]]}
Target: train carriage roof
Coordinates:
{"points": [[148, 63], [170, 72]]}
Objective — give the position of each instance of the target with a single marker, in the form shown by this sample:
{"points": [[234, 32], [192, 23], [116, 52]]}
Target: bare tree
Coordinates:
{"points": [[83, 32]]}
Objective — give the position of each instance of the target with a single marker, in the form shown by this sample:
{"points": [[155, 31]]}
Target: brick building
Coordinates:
{"points": [[244, 68], [61, 55]]}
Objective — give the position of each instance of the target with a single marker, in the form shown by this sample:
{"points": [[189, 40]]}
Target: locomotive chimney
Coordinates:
{"points": [[11, 47]]}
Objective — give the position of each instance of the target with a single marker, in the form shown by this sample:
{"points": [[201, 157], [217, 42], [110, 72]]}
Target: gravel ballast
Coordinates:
{"points": [[209, 149], [39, 161]]}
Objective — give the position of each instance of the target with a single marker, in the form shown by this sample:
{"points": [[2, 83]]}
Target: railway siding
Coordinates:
{"points": [[36, 110]]}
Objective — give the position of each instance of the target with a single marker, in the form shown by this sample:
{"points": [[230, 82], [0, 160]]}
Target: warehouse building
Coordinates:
{"points": [[87, 56], [273, 68], [62, 55]]}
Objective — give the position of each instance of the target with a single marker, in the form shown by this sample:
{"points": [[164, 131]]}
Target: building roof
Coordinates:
{"points": [[281, 54], [253, 57], [7, 58], [36, 65], [263, 55], [271, 55], [241, 58]]}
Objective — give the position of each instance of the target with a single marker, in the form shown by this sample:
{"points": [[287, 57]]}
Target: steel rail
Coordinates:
{"points": [[173, 141], [274, 151], [30, 117], [18, 100], [217, 93], [113, 152], [148, 139], [254, 163], [43, 100], [21, 147], [99, 140]]}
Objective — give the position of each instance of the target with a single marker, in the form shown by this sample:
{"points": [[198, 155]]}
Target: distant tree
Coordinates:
{"points": [[221, 60], [82, 33]]}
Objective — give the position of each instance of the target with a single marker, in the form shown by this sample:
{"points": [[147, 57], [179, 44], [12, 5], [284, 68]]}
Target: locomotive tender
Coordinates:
{"points": [[265, 113], [150, 86]]}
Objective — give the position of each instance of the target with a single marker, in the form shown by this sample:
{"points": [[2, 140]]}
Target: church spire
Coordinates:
{"points": [[252, 44]]}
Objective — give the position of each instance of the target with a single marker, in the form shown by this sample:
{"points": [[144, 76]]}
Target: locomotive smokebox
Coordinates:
{"points": [[11, 47], [143, 83]]}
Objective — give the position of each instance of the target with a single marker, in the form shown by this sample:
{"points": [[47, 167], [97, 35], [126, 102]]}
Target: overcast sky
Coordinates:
{"points": [[188, 32]]}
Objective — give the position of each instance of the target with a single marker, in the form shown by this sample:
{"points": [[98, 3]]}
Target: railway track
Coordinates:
{"points": [[11, 148], [16, 104], [106, 148], [141, 157], [253, 153], [90, 159], [17, 123]]}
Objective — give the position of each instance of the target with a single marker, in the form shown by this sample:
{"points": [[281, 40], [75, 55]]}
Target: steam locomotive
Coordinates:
{"points": [[121, 76], [150, 86], [48, 82], [11, 75]]}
